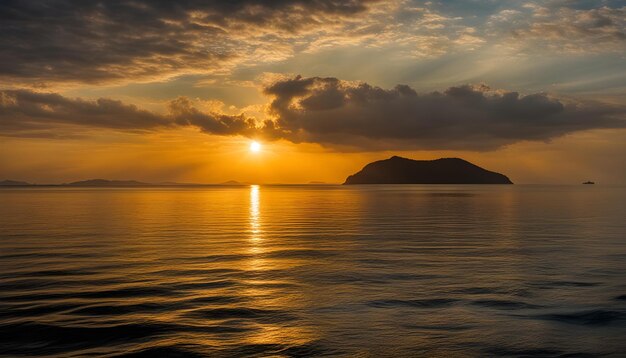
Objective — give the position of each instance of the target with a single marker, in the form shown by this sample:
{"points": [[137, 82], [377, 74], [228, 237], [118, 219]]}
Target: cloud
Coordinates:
{"points": [[129, 40], [120, 41], [32, 114], [183, 113], [338, 113], [24, 108], [97, 41], [561, 28]]}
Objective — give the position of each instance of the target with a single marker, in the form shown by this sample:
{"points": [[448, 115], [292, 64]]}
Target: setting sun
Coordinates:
{"points": [[255, 147]]}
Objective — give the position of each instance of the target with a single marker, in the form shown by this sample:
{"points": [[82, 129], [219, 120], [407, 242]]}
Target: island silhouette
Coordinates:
{"points": [[395, 170], [398, 170]]}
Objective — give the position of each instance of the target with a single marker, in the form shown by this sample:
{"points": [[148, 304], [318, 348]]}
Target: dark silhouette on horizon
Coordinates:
{"points": [[398, 170], [14, 183], [106, 182], [97, 183]]}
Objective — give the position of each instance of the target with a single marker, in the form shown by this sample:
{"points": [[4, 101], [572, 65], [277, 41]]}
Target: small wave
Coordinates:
{"points": [[451, 195], [135, 291], [30, 338], [477, 291], [249, 350], [241, 313], [114, 310], [304, 350], [213, 299], [424, 303], [197, 272], [505, 305], [125, 292], [493, 291], [300, 254], [61, 273], [173, 351], [43, 255], [532, 352], [27, 286], [408, 276], [36, 297], [203, 285], [555, 284], [34, 311], [439, 327], [211, 258], [43, 339], [586, 318]]}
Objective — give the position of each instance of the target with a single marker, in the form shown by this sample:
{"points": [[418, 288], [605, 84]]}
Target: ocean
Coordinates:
{"points": [[313, 270]]}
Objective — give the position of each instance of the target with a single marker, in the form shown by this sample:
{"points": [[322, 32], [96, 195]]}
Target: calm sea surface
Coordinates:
{"points": [[396, 270]]}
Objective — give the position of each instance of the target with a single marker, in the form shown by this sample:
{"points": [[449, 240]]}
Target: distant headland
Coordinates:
{"points": [[398, 170], [84, 183], [106, 183], [13, 183]]}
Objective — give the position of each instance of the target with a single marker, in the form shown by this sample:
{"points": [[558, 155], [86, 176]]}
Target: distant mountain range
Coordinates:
{"points": [[13, 183], [398, 170], [112, 183], [105, 182], [233, 182]]}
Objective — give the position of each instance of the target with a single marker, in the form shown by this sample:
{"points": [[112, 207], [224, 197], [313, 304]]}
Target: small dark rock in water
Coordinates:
{"points": [[397, 170], [588, 182]]}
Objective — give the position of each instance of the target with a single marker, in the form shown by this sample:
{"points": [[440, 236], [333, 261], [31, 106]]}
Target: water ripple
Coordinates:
{"points": [[299, 271]]}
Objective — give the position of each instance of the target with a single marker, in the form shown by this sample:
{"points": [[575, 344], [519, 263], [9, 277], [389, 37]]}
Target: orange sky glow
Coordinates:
{"points": [[159, 93]]}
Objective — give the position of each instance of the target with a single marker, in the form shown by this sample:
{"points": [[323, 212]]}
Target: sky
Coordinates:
{"points": [[162, 91]]}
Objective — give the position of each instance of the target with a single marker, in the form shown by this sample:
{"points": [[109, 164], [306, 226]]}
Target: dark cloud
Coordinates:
{"points": [[48, 41], [184, 113], [338, 113], [334, 113], [25, 113], [93, 41], [24, 108]]}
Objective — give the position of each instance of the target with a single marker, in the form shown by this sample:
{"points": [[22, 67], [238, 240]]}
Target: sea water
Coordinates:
{"points": [[313, 270]]}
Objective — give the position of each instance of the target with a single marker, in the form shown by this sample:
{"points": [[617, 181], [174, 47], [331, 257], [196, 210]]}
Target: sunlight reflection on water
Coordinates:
{"points": [[313, 270]]}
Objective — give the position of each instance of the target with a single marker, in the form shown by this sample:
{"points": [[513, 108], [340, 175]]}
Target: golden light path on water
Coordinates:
{"points": [[255, 225], [260, 289]]}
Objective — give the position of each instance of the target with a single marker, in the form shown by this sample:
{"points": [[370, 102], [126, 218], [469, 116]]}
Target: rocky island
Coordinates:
{"points": [[398, 170]]}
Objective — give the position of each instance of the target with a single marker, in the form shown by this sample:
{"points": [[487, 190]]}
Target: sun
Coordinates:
{"points": [[255, 147]]}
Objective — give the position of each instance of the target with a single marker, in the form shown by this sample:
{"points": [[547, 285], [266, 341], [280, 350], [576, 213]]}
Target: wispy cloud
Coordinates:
{"points": [[83, 41], [562, 29], [124, 41]]}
